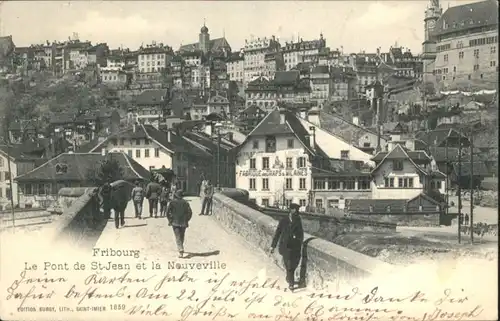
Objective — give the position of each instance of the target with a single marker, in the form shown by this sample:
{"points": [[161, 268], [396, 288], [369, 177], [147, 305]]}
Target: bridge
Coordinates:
{"points": [[232, 243]]}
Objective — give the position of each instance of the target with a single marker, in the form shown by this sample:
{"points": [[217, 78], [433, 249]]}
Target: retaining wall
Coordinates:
{"points": [[322, 261]]}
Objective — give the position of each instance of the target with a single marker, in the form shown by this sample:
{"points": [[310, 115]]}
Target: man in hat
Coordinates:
{"points": [[120, 199], [179, 214], [138, 199], [208, 193], [290, 235], [105, 197]]}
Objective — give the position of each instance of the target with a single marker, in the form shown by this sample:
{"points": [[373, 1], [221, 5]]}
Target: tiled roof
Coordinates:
{"points": [[418, 155], [79, 165], [151, 97], [286, 77], [399, 152], [397, 206], [251, 111], [342, 128], [438, 136], [339, 167], [470, 15], [214, 45], [320, 70]]}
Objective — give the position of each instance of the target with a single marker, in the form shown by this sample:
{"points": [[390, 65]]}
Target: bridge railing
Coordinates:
{"points": [[81, 222], [322, 261]]}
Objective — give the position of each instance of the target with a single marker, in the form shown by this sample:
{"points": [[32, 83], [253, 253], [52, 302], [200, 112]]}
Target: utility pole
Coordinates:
{"points": [[459, 188], [471, 184], [11, 187]]}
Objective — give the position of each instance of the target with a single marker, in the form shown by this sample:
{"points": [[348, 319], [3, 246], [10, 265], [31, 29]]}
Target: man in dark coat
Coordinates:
{"points": [[208, 193], [104, 195], [119, 198], [153, 191], [179, 214], [290, 235]]}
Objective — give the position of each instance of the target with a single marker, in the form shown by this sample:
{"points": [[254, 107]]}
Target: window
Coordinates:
{"points": [[41, 189], [438, 184], [302, 183], [265, 202], [146, 152], [289, 162], [333, 203], [349, 184], [253, 163], [270, 144], [138, 153], [445, 57], [389, 182], [364, 184], [8, 193], [61, 168], [288, 184], [137, 141], [493, 63], [289, 143], [319, 203], [476, 53], [366, 144], [146, 141], [461, 55], [252, 184], [388, 208], [265, 162], [265, 184], [302, 202], [301, 162], [157, 152], [129, 152], [28, 189], [288, 202], [253, 200], [397, 165], [476, 67], [7, 176], [493, 50], [344, 154], [1, 162], [333, 184], [410, 182], [319, 184]]}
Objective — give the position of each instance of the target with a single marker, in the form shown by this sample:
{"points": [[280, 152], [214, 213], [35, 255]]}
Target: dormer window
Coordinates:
{"points": [[388, 208], [397, 165], [371, 208], [61, 168], [420, 208]]}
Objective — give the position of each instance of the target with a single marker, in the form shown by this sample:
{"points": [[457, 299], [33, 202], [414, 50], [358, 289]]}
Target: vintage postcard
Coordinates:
{"points": [[267, 161]]}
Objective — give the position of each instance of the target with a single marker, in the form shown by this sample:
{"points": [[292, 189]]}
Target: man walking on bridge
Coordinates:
{"points": [[179, 214], [153, 191], [290, 235], [138, 199]]}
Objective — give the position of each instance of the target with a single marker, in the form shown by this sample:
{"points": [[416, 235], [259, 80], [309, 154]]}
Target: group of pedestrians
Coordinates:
{"points": [[289, 235]]}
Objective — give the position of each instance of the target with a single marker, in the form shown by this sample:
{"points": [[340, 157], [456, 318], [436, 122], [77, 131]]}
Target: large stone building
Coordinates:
{"points": [[279, 160], [461, 44], [255, 52], [207, 45], [302, 51], [154, 58]]}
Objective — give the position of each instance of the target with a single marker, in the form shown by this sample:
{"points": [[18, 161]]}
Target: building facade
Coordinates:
{"points": [[255, 52], [466, 40], [154, 58], [302, 51]]}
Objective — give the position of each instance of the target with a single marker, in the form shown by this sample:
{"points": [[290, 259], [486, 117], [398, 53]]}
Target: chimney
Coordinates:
{"points": [[133, 127], [169, 136], [103, 151], [282, 115], [230, 136], [303, 114], [312, 137], [355, 121]]}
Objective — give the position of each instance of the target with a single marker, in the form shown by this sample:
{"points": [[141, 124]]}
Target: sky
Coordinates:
{"points": [[353, 25]]}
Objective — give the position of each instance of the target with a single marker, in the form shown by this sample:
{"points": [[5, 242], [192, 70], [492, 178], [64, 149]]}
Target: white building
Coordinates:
{"points": [[236, 66], [302, 51], [274, 163], [255, 56], [404, 174], [154, 58]]}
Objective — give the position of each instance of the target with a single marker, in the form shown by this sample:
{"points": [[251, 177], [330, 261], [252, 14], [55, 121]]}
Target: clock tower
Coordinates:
{"points": [[432, 15]]}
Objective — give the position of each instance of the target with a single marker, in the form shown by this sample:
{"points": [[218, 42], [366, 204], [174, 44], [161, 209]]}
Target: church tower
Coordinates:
{"points": [[204, 39], [432, 15]]}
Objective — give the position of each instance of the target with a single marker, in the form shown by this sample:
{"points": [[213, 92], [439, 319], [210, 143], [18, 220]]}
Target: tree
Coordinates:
{"points": [[108, 170]]}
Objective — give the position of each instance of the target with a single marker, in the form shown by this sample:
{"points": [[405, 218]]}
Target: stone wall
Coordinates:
{"points": [[403, 219], [328, 227], [322, 262]]}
